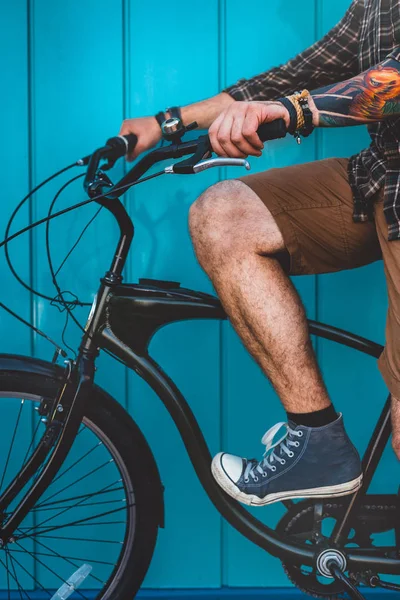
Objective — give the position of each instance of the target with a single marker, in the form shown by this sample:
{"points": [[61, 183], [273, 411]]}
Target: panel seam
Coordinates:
{"points": [[221, 175]]}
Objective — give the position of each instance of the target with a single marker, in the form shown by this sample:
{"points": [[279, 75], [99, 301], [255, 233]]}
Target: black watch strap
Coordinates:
{"points": [[160, 116], [175, 112]]}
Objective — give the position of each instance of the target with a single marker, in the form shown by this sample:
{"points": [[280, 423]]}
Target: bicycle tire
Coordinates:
{"points": [[116, 425]]}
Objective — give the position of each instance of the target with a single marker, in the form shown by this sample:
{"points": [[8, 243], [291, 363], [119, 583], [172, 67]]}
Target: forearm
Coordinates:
{"points": [[205, 112], [369, 97]]}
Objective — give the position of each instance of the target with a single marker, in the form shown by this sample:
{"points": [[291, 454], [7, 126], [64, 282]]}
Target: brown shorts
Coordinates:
{"points": [[312, 205]]}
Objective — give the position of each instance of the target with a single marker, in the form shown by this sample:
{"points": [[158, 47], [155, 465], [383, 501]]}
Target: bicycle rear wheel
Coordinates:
{"points": [[102, 508]]}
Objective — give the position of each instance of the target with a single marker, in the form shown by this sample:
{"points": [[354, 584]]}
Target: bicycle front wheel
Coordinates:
{"points": [[102, 508]]}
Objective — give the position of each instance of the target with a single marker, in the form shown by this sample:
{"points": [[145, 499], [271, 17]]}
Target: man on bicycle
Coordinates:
{"points": [[250, 234]]}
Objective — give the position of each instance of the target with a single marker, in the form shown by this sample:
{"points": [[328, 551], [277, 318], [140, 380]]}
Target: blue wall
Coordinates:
{"points": [[71, 71]]}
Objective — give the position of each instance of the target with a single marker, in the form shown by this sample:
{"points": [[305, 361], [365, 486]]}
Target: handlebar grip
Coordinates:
{"points": [[132, 140], [120, 145], [272, 131]]}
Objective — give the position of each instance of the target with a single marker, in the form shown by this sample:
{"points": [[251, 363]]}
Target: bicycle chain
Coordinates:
{"points": [[290, 571]]}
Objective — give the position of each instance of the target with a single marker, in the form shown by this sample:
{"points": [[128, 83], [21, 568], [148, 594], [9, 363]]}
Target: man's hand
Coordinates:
{"points": [[234, 131], [147, 131], [396, 426]]}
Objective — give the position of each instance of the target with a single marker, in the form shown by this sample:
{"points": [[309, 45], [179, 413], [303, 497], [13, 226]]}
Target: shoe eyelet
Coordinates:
{"points": [[291, 454], [296, 444], [246, 481], [255, 479], [300, 433], [264, 474], [283, 461], [273, 468]]}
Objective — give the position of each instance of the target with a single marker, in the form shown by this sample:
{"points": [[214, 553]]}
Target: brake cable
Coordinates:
{"points": [[25, 199], [11, 266], [15, 212], [76, 206], [47, 220]]}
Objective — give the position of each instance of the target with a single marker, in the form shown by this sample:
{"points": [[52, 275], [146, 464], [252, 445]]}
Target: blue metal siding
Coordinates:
{"points": [[70, 73]]}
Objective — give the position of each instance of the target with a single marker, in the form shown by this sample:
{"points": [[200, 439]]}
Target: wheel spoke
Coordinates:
{"points": [[95, 470], [74, 539], [69, 559], [94, 523], [8, 577], [15, 577], [39, 533], [73, 523], [66, 558], [105, 491], [77, 504], [64, 510], [76, 462], [26, 571]]}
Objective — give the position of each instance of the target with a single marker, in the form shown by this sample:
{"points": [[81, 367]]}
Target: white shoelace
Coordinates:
{"points": [[269, 456]]}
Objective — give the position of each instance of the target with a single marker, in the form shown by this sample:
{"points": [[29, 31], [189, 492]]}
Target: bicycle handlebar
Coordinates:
{"points": [[200, 148]]}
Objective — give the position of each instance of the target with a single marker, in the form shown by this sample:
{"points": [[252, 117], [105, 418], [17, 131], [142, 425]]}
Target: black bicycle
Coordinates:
{"points": [[52, 495]]}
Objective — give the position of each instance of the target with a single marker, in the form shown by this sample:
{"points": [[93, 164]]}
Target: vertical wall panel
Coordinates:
{"points": [[77, 103], [77, 99], [14, 124], [173, 58], [14, 110], [93, 63], [257, 39]]}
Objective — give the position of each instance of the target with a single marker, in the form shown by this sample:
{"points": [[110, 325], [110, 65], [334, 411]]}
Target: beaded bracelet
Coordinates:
{"points": [[301, 120]]}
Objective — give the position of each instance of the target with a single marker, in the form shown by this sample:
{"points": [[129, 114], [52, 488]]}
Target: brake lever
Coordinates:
{"points": [[185, 167], [211, 162]]}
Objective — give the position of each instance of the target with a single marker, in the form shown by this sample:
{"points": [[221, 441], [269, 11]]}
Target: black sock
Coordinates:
{"points": [[317, 418]]}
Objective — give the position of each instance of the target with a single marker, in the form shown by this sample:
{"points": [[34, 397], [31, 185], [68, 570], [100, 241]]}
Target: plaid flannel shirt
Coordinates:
{"points": [[368, 33]]}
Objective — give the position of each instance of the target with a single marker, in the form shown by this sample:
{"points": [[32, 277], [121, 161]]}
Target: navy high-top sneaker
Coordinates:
{"points": [[306, 462]]}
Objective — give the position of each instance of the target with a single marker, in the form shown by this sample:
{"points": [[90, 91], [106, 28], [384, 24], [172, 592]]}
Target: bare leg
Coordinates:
{"points": [[235, 238], [396, 425]]}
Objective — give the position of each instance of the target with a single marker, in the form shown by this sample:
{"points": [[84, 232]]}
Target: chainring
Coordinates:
{"points": [[374, 516]]}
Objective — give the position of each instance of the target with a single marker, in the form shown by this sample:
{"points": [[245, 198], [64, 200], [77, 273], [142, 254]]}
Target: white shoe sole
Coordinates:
{"points": [[333, 491]]}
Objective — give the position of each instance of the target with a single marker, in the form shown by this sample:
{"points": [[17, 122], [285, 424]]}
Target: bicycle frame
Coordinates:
{"points": [[149, 308]]}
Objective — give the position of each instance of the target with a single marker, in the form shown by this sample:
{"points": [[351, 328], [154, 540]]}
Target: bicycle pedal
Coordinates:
{"points": [[71, 585]]}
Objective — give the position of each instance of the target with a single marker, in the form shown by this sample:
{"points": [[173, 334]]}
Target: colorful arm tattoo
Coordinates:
{"points": [[369, 97]]}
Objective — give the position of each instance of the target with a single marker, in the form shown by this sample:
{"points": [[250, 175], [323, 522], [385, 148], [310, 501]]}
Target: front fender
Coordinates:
{"points": [[36, 366], [28, 364]]}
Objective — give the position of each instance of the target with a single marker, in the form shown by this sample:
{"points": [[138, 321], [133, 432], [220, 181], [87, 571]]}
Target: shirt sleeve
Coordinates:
{"points": [[333, 58], [395, 54]]}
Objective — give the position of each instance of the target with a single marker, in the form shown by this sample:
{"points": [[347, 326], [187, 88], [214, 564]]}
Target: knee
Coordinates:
{"points": [[212, 217]]}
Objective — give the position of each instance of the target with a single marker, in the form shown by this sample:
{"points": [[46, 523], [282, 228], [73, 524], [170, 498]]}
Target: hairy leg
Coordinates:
{"points": [[396, 426], [236, 241]]}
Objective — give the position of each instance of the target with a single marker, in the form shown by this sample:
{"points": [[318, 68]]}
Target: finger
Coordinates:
{"points": [[134, 154], [125, 129], [224, 138], [249, 130], [212, 134], [239, 140]]}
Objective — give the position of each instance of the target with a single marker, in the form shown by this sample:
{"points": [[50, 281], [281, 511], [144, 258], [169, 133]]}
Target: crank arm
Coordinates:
{"points": [[337, 574]]}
